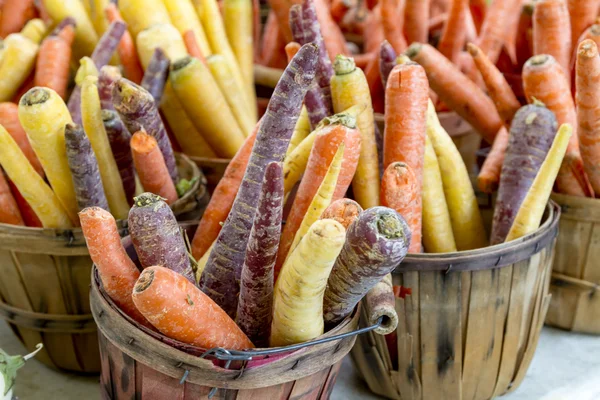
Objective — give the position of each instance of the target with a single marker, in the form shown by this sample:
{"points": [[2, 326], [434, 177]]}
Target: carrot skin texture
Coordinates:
{"points": [[10, 213], [416, 16], [15, 13], [84, 169], [126, 50], [138, 111], [344, 211], [52, 71], [387, 61], [455, 31], [221, 279], [155, 76], [392, 29], [551, 31], [29, 216], [531, 135], [375, 244], [106, 80], [489, 176], [157, 237], [493, 29], [119, 138], [191, 316], [582, 14], [9, 119], [255, 307]]}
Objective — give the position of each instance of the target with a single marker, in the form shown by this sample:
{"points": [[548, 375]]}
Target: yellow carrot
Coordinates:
{"points": [[206, 106], [295, 164], [35, 30], [109, 172], [349, 87], [238, 15], [32, 187], [18, 60], [43, 115], [87, 67], [85, 35], [142, 14], [299, 290], [235, 99], [437, 228], [530, 213], [201, 263], [165, 36], [184, 18], [98, 16], [467, 225], [301, 131], [322, 198]]}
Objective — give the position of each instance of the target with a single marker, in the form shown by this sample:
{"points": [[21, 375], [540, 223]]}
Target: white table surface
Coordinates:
{"points": [[566, 366]]}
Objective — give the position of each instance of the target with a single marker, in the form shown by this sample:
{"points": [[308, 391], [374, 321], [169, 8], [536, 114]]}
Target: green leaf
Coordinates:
{"points": [[183, 186]]}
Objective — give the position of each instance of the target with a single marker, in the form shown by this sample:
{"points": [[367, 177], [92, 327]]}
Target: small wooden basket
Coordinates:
{"points": [[45, 280], [575, 281], [470, 327]]}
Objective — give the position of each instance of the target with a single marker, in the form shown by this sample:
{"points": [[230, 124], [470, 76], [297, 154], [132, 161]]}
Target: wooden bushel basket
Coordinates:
{"points": [[45, 284], [575, 280], [470, 327]]}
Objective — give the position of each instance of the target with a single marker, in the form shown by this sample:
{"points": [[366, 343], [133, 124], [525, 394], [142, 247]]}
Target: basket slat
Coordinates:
{"points": [[409, 339]]}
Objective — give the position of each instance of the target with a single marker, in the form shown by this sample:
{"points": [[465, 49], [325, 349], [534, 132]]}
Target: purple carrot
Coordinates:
{"points": [[89, 191], [532, 132], [62, 24], [312, 34], [101, 55], [119, 139], [315, 105], [156, 74], [156, 235], [379, 144], [296, 23], [137, 110], [387, 61], [107, 78], [376, 242], [255, 305], [222, 273]]}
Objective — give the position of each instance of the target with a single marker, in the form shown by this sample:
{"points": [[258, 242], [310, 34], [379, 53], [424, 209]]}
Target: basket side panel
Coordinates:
{"points": [[74, 276], [565, 300], [327, 388], [309, 388], [591, 268], [571, 247], [157, 386], [588, 313], [277, 392]]}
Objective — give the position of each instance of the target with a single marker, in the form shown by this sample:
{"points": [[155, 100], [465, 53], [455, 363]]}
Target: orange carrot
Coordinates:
{"points": [[544, 80], [29, 217], [582, 14], [478, 10], [489, 176], [222, 199], [374, 33], [15, 13], [181, 311], [53, 61], [327, 141], [524, 36], [291, 49], [117, 272], [332, 35], [9, 210], [127, 53], [593, 33], [376, 88], [400, 191], [363, 60], [344, 211], [392, 25], [453, 36], [9, 119], [273, 43], [189, 38], [151, 168], [280, 12], [498, 88], [493, 30], [551, 32], [416, 16]]}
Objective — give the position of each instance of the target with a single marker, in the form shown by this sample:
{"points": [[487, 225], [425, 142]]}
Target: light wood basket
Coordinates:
{"points": [[470, 327], [575, 284], [45, 284]]}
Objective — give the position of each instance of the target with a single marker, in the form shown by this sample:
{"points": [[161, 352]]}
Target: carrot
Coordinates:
{"points": [[9, 119], [387, 60], [374, 33], [142, 14], [478, 10], [223, 269], [126, 50], [163, 36], [494, 27], [436, 226], [455, 30], [489, 176], [299, 291], [392, 25], [117, 272], [182, 312], [119, 139], [206, 106], [467, 225], [85, 35], [376, 244], [15, 13], [185, 19], [588, 108], [35, 30], [532, 208], [97, 15], [551, 31], [151, 168], [373, 76], [191, 44], [54, 57], [344, 211], [30, 185], [87, 67], [327, 140], [524, 36], [544, 80], [9, 210], [295, 163], [301, 131], [106, 80], [291, 49], [272, 43], [255, 307], [29, 217], [416, 16], [348, 88], [256, 28], [593, 33], [582, 14], [155, 76], [18, 61], [498, 88], [280, 11], [457, 91]]}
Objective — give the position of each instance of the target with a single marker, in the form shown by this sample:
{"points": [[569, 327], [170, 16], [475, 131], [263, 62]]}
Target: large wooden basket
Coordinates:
{"points": [[576, 271], [471, 325], [45, 281]]}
